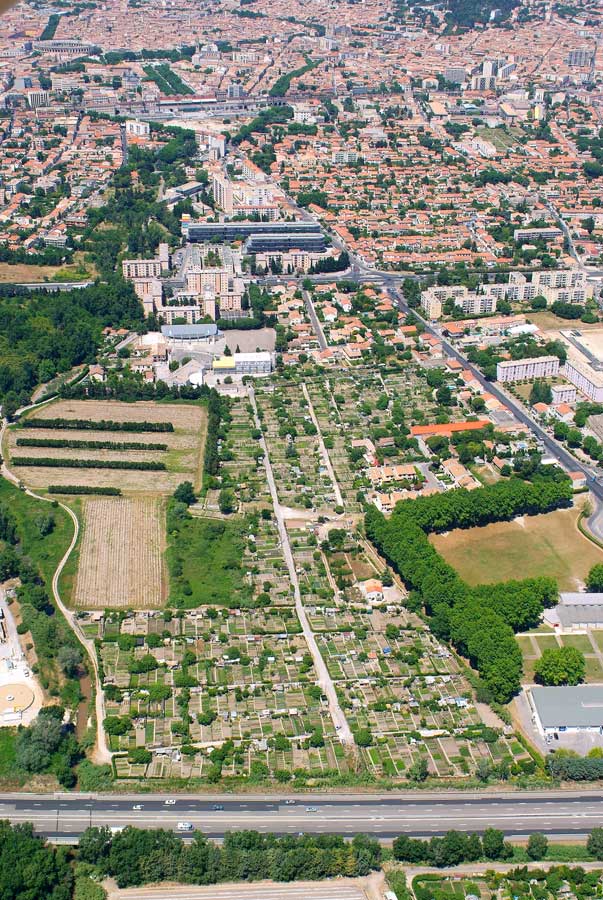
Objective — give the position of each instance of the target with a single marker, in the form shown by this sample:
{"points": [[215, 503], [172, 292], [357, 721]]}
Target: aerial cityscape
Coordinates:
{"points": [[301, 489]]}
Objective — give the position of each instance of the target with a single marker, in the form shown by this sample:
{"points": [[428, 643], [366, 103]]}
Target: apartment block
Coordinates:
{"points": [[527, 369], [587, 379]]}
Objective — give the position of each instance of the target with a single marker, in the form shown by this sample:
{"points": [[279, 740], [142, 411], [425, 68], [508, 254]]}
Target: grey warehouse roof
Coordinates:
{"points": [[189, 332], [580, 609], [571, 707]]}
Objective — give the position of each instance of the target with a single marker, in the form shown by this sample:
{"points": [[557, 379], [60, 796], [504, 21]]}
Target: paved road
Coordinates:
{"points": [[413, 813]]}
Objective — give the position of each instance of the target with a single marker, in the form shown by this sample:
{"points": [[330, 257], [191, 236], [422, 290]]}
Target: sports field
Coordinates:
{"points": [[531, 546]]}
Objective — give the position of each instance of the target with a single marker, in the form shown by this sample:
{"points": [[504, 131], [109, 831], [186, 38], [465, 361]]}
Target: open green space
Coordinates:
{"points": [[44, 551], [544, 545], [204, 557], [501, 138]]}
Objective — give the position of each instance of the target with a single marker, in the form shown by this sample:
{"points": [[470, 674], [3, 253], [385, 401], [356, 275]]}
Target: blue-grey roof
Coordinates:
{"points": [[570, 707], [189, 331]]}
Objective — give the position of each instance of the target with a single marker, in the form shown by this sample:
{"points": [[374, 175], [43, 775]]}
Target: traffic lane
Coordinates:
{"points": [[410, 820], [369, 803]]}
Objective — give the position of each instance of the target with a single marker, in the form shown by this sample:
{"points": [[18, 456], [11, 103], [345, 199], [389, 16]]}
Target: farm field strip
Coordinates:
{"points": [[121, 554]]}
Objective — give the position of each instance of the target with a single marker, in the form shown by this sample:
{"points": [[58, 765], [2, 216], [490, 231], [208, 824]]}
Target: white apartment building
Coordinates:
{"points": [[139, 129], [587, 379], [563, 393], [472, 304], [527, 369]]}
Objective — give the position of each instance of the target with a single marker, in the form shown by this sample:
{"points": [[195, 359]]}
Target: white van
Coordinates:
{"points": [[185, 826]]}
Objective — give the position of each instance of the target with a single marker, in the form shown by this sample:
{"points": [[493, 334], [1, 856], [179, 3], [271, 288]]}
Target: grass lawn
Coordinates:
{"points": [[534, 546], [502, 139], [547, 642], [8, 756], [594, 672], [45, 552], [579, 641], [209, 553]]}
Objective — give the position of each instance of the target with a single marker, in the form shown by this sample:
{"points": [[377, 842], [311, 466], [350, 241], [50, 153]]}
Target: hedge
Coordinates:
{"points": [[101, 425], [87, 445], [83, 489], [479, 621], [47, 462]]}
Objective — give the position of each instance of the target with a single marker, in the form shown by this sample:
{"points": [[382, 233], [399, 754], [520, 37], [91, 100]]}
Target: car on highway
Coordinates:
{"points": [[217, 806], [185, 826], [289, 802], [137, 806], [311, 809], [169, 802]]}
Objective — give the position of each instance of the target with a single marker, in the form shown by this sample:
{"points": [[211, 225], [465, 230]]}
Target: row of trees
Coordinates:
{"points": [[100, 425], [53, 462], [83, 489], [59, 443], [136, 856], [479, 621]]}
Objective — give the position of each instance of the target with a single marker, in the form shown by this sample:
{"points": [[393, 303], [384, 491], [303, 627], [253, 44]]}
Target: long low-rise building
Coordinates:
{"points": [[580, 611], [533, 367], [567, 709], [584, 376], [202, 232]]}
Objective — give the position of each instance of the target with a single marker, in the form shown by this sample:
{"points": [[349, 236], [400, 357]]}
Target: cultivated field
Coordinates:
{"points": [[182, 459], [532, 546], [122, 548]]}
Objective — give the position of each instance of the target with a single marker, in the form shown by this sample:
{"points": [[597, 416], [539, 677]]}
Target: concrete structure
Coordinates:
{"points": [[587, 378], [568, 709], [537, 234], [203, 232], [563, 393], [139, 129], [533, 367]]}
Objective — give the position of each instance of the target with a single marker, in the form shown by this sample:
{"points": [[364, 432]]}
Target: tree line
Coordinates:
{"points": [[100, 425], [61, 443], [480, 622], [135, 856], [83, 489], [49, 462]]}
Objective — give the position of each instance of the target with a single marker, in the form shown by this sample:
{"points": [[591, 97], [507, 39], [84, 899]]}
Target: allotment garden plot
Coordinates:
{"points": [[134, 451], [122, 553]]}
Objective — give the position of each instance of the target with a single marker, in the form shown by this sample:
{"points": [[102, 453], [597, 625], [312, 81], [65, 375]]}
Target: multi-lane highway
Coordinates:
{"points": [[66, 816]]}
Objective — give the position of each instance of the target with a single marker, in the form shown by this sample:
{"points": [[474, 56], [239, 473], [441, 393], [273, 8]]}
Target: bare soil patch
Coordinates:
{"points": [[122, 550]]}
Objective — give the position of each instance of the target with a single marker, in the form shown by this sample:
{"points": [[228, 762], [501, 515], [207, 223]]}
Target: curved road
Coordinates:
{"points": [[560, 813]]}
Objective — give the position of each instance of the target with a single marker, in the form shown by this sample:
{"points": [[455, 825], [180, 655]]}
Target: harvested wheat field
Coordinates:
{"points": [[176, 455], [121, 561]]}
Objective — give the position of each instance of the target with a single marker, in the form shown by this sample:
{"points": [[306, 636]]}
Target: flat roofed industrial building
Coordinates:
{"points": [[577, 610], [566, 709]]}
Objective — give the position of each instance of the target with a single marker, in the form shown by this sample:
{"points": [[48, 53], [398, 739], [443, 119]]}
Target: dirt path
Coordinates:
{"points": [[101, 753], [323, 450], [323, 677]]}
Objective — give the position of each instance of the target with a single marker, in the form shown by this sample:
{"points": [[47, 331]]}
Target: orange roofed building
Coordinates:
{"points": [[447, 429]]}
